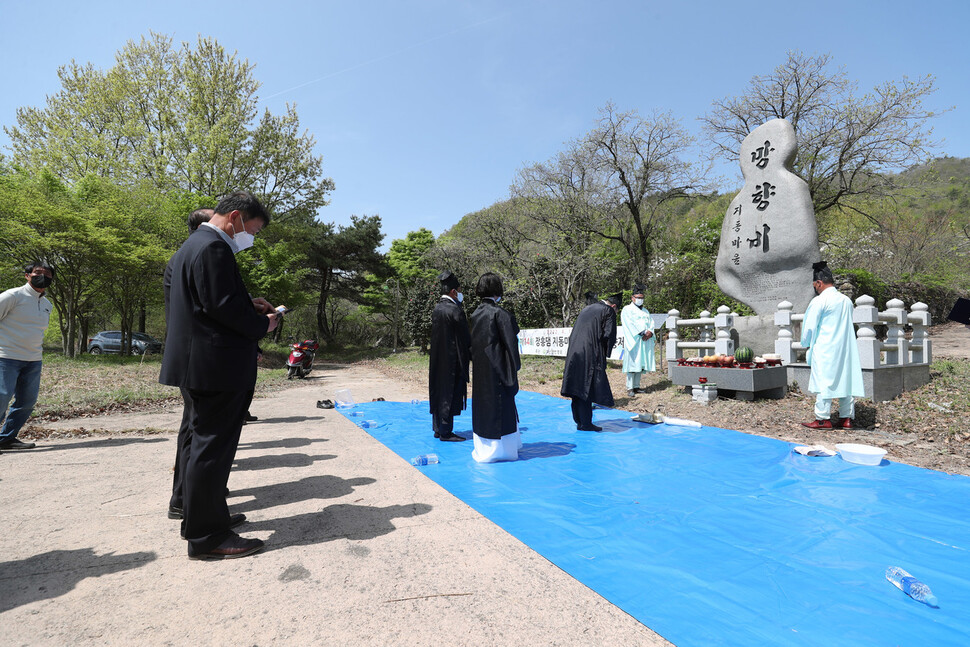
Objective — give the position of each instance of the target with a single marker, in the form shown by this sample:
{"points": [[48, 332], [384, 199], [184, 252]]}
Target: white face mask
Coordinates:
{"points": [[638, 302], [243, 239], [461, 297]]}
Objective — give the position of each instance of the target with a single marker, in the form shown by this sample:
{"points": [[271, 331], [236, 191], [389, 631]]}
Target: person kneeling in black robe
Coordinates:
{"points": [[584, 376], [448, 365], [495, 380]]}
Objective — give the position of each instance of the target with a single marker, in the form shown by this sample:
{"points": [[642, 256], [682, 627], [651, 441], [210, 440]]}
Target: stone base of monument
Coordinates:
{"points": [[757, 333], [881, 384], [705, 393], [741, 383]]}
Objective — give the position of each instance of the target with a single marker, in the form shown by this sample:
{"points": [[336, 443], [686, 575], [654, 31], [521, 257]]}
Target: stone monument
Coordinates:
{"points": [[769, 239]]}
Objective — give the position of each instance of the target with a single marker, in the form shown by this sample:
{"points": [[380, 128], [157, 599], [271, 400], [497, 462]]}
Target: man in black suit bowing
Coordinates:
{"points": [[210, 355]]}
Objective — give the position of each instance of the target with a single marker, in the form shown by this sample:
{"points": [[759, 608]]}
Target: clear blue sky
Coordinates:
{"points": [[423, 111]]}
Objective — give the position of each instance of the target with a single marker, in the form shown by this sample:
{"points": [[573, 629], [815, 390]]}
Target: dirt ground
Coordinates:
{"points": [[905, 427]]}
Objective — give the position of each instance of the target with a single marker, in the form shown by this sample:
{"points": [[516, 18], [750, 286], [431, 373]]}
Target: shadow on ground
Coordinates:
{"points": [[273, 461], [312, 487], [105, 443], [340, 521], [54, 573], [283, 443]]}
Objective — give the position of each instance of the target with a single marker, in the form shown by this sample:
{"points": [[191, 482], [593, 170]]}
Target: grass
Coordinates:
{"points": [[534, 368], [98, 383]]}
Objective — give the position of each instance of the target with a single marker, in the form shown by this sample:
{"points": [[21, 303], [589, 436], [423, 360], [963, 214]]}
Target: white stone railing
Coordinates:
{"points": [[896, 350], [715, 333]]}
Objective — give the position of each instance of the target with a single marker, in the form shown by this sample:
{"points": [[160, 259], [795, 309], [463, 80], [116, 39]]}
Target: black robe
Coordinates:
{"points": [[448, 366], [591, 342], [495, 379]]}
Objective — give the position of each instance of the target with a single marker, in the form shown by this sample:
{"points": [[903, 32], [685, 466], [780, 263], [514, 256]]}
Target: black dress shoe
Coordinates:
{"points": [[17, 444], [452, 438], [234, 546], [589, 427], [234, 520], [250, 417]]}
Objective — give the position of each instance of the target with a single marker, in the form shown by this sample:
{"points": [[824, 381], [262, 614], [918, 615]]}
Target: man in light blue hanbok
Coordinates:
{"points": [[638, 341], [833, 354]]}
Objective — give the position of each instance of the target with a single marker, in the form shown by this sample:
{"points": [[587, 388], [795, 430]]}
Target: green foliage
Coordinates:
{"points": [[417, 312], [865, 282], [408, 257], [181, 117], [103, 176], [684, 279]]}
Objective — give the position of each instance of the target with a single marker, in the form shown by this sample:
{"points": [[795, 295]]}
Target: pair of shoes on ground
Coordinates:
{"points": [[16, 443], [589, 427], [843, 423], [232, 547], [234, 520], [449, 437], [324, 404]]}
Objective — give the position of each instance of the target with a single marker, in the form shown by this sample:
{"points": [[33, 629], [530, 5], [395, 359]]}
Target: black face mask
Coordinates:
{"points": [[40, 281]]}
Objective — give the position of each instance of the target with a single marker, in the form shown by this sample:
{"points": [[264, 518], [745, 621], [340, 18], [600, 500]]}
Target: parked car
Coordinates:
{"points": [[110, 341]]}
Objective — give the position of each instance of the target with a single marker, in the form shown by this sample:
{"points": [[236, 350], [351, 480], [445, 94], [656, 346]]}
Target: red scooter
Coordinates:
{"points": [[300, 362]]}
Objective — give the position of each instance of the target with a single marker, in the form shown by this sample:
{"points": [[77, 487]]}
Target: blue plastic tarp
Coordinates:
{"points": [[711, 536]]}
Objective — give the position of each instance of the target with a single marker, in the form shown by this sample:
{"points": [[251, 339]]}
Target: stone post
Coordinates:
{"points": [[897, 346], [706, 333], [723, 323], [920, 346], [866, 316], [673, 351], [784, 341]]}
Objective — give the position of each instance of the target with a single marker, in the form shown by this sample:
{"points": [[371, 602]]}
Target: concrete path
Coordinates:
{"points": [[362, 549]]}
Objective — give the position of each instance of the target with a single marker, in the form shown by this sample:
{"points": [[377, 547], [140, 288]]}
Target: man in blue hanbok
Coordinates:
{"points": [[833, 354], [638, 341]]}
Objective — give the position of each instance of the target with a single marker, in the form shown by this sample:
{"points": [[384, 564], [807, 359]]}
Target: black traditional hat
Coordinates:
{"points": [[960, 311], [590, 298], [616, 299], [822, 272], [448, 280], [638, 288]]}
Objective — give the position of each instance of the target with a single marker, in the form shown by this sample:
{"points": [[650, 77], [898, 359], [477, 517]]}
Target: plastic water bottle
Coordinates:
{"points": [[424, 459], [911, 586], [369, 424]]}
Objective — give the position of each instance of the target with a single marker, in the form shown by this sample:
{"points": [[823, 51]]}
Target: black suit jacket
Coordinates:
{"points": [[212, 325]]}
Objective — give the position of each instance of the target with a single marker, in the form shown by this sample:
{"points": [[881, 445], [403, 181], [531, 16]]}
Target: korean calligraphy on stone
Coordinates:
{"points": [[760, 197], [760, 239], [760, 155]]}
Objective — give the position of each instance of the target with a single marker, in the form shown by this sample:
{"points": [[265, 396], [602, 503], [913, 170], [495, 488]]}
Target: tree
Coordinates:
{"points": [[342, 259], [408, 256], [182, 117], [616, 182], [94, 237], [846, 142]]}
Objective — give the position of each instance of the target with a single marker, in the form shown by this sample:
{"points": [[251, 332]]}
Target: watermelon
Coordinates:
{"points": [[744, 354]]}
